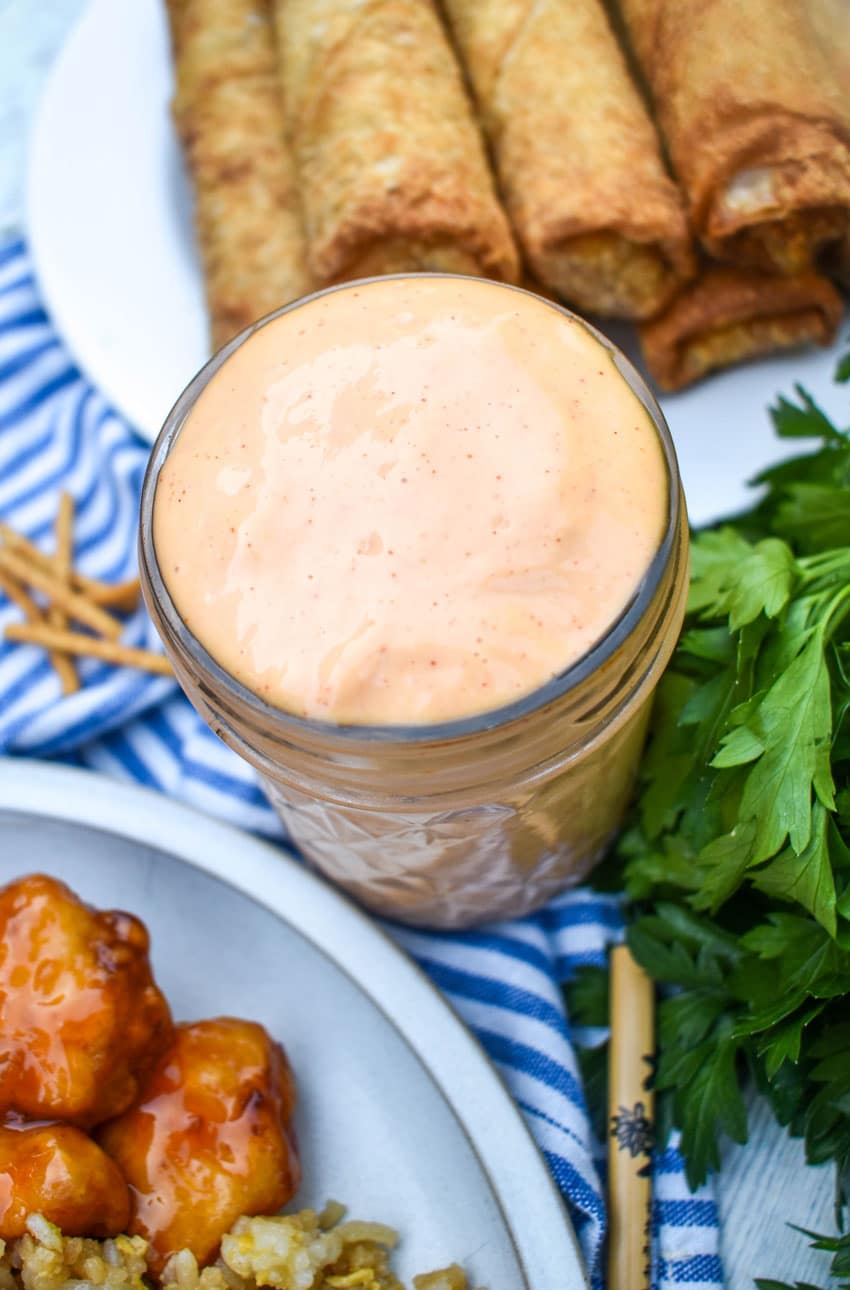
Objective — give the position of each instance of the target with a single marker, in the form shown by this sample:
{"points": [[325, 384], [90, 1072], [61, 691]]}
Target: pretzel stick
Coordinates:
{"points": [[119, 595], [21, 598], [32, 613], [110, 651], [76, 605], [630, 1126], [62, 567]]}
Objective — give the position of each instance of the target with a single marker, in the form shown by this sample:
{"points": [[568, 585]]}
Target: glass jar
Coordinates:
{"points": [[453, 824]]}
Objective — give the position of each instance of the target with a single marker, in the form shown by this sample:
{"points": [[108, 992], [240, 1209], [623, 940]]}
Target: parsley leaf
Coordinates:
{"points": [[729, 576], [736, 858], [807, 876], [838, 1246]]}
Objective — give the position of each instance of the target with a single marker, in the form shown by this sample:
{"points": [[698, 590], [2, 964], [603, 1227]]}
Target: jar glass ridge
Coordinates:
{"points": [[464, 821]]}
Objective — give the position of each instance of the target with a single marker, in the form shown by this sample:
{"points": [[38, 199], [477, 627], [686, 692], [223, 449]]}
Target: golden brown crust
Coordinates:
{"points": [[57, 1171], [174, 13], [388, 153], [230, 118], [830, 21], [730, 315], [578, 157], [208, 1139], [78, 1053], [757, 128]]}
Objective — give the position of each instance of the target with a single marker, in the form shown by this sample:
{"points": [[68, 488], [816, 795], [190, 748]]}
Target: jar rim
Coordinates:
{"points": [[555, 688]]}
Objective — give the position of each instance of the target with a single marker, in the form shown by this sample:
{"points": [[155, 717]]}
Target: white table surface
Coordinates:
{"points": [[765, 1185]]}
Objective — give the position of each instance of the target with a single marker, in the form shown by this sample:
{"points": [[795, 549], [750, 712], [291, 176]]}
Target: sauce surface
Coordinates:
{"points": [[209, 1138], [409, 501], [81, 1017]]}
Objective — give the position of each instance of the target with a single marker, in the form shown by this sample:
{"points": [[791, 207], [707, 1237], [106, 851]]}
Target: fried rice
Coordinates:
{"points": [[303, 1251]]}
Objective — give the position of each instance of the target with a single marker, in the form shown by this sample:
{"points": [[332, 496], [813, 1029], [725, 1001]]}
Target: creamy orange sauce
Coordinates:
{"points": [[409, 501]]}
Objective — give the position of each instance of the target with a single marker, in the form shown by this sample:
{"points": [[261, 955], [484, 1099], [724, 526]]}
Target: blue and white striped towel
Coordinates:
{"points": [[56, 432]]}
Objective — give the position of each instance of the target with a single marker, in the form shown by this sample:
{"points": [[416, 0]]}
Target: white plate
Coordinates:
{"points": [[401, 1115], [110, 227]]}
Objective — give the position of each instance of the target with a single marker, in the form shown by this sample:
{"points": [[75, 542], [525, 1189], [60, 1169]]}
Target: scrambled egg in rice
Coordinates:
{"points": [[304, 1251]]}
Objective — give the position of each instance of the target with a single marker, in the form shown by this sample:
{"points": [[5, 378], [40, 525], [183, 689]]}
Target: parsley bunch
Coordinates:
{"points": [[737, 857]]}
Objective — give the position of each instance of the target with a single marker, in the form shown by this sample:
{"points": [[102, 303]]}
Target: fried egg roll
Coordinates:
{"points": [[756, 125], [831, 22], [578, 158], [391, 162], [230, 119], [174, 12], [729, 315]]}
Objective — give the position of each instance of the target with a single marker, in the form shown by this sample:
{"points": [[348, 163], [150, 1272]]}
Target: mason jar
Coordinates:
{"points": [[451, 824]]}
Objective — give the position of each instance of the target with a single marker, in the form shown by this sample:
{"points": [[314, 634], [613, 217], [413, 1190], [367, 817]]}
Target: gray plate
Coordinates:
{"points": [[401, 1116]]}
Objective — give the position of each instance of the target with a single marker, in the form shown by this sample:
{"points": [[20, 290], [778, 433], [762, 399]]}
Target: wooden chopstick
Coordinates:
{"points": [[630, 1110], [111, 651]]}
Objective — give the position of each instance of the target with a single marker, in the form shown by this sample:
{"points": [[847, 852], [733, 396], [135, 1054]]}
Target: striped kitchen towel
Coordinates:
{"points": [[56, 433]]}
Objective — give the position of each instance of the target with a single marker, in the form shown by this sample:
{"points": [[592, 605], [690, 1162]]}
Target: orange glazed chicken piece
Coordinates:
{"points": [[81, 1019], [210, 1138], [56, 1171]]}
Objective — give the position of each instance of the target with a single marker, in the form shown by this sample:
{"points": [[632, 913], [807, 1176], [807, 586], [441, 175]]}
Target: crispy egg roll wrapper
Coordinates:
{"points": [[391, 162], [755, 123], [174, 10], [229, 115], [831, 22], [578, 157], [730, 315]]}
